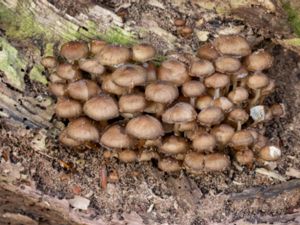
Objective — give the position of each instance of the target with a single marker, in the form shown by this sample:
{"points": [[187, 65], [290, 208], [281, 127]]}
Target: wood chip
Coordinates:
{"points": [[271, 174], [79, 202], [292, 172]]}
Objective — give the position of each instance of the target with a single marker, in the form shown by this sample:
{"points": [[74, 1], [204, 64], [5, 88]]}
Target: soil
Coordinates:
{"points": [[157, 197]]}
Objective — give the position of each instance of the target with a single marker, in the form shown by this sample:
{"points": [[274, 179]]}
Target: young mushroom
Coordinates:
{"points": [[91, 66], [112, 55], [270, 153], [257, 82], [203, 142], [132, 104], [194, 162], [233, 45], [68, 72], [169, 165], [216, 162], [115, 137], [241, 139], [66, 140], [224, 103], [49, 62], [239, 117], [201, 68], [173, 145], [82, 129], [259, 61], [207, 51], [244, 157], [83, 90], [111, 87], [210, 116], [74, 50], [238, 95], [143, 52], [127, 156], [161, 92], [223, 134], [57, 89], [192, 89], [96, 46], [226, 64], [217, 81], [68, 108], [203, 102]]}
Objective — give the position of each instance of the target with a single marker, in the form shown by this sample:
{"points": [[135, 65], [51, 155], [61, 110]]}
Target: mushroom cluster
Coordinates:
{"points": [[197, 114]]}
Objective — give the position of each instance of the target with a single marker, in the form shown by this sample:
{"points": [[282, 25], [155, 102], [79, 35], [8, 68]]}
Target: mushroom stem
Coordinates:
{"points": [[176, 129], [239, 125], [217, 93], [193, 101], [256, 97], [234, 82]]}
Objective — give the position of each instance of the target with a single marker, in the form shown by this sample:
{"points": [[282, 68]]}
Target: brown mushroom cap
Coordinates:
{"points": [[67, 71], [258, 61], [223, 133], [91, 66], [245, 157], [169, 165], [217, 80], [204, 142], [174, 145], [74, 50], [111, 55], [127, 156], [207, 51], [226, 64], [193, 88], [201, 68], [116, 137], [239, 95], [270, 153], [203, 102], [57, 89], [277, 110], [238, 115], [143, 52], [151, 71], [144, 127], [148, 155], [210, 116], [260, 142], [82, 129], [161, 92], [68, 108], [49, 62], [111, 87], [194, 161], [224, 103], [216, 162], [241, 139], [132, 103], [96, 46], [129, 76], [269, 89], [83, 89], [257, 81], [154, 108], [180, 112], [101, 108], [173, 71], [66, 140], [54, 78], [234, 45]]}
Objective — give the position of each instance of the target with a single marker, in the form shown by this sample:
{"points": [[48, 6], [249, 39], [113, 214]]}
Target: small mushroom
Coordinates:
{"points": [[223, 134], [127, 156], [91, 66], [227, 64], [147, 155], [277, 110], [186, 126], [83, 89], [96, 46], [216, 162], [173, 71], [204, 142], [173, 145], [49, 62], [270, 153], [201, 68], [68, 108], [238, 95], [66, 140], [239, 117], [259, 61], [233, 45], [207, 51], [161, 92], [68, 71], [143, 52], [57, 89], [194, 162], [192, 89], [111, 87], [112, 55], [82, 129], [257, 82], [245, 157], [211, 116], [203, 102], [54, 78], [169, 165], [224, 103], [260, 142], [131, 104], [115, 137], [239, 76], [155, 108], [217, 81], [151, 71], [74, 50], [241, 139]]}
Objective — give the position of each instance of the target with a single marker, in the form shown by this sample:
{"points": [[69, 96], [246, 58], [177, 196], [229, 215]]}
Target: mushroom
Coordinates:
{"points": [[259, 61], [144, 127], [161, 92], [68, 108], [217, 81], [151, 71], [187, 126], [227, 64], [277, 110], [129, 76], [173, 145], [223, 134], [147, 155], [143, 52], [192, 89], [132, 104], [239, 117], [155, 108], [216, 162], [169, 165], [82, 129], [203, 102], [57, 89], [91, 66], [260, 142], [68, 72], [203, 142], [194, 162], [127, 156], [270, 153], [96, 46], [83, 89], [210, 116], [111, 87], [74, 50], [101, 108], [115, 137], [173, 71], [207, 51], [239, 76], [241, 139], [66, 140], [233, 45], [112, 55], [49, 62], [224, 103], [257, 82], [245, 157], [201, 68], [238, 95], [54, 78]]}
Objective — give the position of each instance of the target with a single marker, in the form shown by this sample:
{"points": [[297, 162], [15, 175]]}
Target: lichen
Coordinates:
{"points": [[293, 42], [293, 17], [36, 74]]}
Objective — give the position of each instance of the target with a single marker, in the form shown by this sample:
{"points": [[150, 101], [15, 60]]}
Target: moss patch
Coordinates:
{"points": [[36, 74], [293, 17], [293, 42]]}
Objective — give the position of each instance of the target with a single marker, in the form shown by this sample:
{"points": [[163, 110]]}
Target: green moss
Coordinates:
{"points": [[293, 17], [293, 42], [116, 35], [11, 64], [36, 74], [49, 48]]}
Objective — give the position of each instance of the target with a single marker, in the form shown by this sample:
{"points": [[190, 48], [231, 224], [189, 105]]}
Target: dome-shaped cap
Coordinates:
{"points": [[174, 145], [127, 156], [227, 64], [74, 50], [201, 68], [83, 89], [66, 140], [223, 133], [241, 139], [144, 127], [258, 81], [111, 55], [173, 71], [68, 108], [143, 52], [161, 92], [258, 61], [203, 102], [57, 89], [67, 71], [169, 165], [180, 112], [111, 87], [193, 88], [116, 137], [211, 116], [203, 142], [234, 45], [130, 75], [49, 62], [96, 46], [217, 80], [238, 115], [194, 161], [91, 66], [270, 153], [101, 108], [238, 95], [224, 103], [216, 162], [207, 51], [82, 129], [132, 103], [245, 157]]}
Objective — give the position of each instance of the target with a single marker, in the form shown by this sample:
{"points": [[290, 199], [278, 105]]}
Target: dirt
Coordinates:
{"points": [[159, 198]]}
